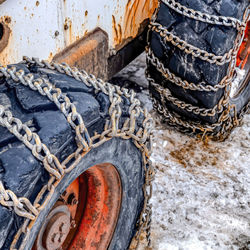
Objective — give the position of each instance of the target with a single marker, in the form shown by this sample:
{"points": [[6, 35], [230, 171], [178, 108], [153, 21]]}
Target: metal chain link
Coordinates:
{"points": [[88, 79], [32, 141], [190, 49], [22, 206], [40, 151], [166, 93], [204, 17], [223, 127], [183, 83], [228, 118], [111, 129], [218, 130], [45, 88]]}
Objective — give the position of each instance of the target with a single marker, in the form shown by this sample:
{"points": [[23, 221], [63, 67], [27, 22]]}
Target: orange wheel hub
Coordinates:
{"points": [[85, 215], [244, 50]]}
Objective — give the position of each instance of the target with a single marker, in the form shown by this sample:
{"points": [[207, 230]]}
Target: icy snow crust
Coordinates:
{"points": [[201, 197], [201, 192]]}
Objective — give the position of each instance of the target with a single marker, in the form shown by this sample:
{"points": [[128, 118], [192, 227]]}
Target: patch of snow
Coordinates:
{"points": [[201, 191]]}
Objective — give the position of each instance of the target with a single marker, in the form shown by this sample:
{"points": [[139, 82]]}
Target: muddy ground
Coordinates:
{"points": [[201, 192]]}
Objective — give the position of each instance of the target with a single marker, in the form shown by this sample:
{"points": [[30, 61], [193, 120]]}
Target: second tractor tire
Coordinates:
{"points": [[192, 109]]}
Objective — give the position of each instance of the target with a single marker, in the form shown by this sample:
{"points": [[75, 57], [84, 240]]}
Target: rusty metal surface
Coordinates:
{"points": [[89, 53], [246, 44], [4, 32], [100, 216], [70, 197], [131, 23], [92, 224], [45, 28], [127, 54], [55, 229]]}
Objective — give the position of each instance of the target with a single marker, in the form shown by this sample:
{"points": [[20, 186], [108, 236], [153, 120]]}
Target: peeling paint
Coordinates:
{"points": [[5, 32], [133, 23], [122, 20]]}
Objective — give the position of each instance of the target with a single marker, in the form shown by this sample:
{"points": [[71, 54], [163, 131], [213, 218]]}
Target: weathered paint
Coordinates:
{"points": [[89, 53], [132, 23], [44, 28], [5, 32]]}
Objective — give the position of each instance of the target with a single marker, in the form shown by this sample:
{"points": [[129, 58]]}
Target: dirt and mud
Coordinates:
{"points": [[201, 192]]}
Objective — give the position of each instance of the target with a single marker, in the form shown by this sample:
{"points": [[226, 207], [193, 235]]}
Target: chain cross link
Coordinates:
{"points": [[45, 88], [190, 49], [111, 129], [229, 118], [183, 83], [166, 93], [32, 141], [22, 206], [204, 17]]}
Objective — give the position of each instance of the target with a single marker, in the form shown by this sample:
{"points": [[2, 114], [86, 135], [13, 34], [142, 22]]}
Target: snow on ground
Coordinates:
{"points": [[201, 192]]}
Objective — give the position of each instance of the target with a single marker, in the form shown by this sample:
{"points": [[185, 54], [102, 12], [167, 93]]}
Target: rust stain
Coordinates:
{"points": [[89, 53], [78, 52], [136, 14], [117, 31], [68, 27], [37, 3], [7, 19], [50, 57], [187, 156], [5, 32], [86, 13]]}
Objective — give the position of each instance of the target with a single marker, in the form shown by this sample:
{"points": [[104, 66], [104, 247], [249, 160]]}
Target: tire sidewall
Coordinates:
{"points": [[127, 160]]}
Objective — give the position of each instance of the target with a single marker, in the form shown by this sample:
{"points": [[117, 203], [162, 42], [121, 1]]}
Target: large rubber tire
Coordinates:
{"points": [[24, 175], [216, 39]]}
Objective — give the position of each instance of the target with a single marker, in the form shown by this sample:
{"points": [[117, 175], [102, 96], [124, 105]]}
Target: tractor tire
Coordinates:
{"points": [[190, 86], [108, 198]]}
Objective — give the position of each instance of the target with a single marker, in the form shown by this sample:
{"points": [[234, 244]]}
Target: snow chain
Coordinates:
{"points": [[22, 206], [204, 17], [227, 114]]}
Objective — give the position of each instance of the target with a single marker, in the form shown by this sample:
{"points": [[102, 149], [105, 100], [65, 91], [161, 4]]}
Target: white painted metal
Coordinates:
{"points": [[38, 27]]}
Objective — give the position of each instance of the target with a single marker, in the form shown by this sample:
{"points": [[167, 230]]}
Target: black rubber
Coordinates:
{"points": [[24, 175], [216, 39]]}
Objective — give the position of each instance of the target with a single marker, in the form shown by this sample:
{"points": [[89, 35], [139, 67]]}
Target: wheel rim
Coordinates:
{"points": [[85, 215], [242, 76], [244, 50]]}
